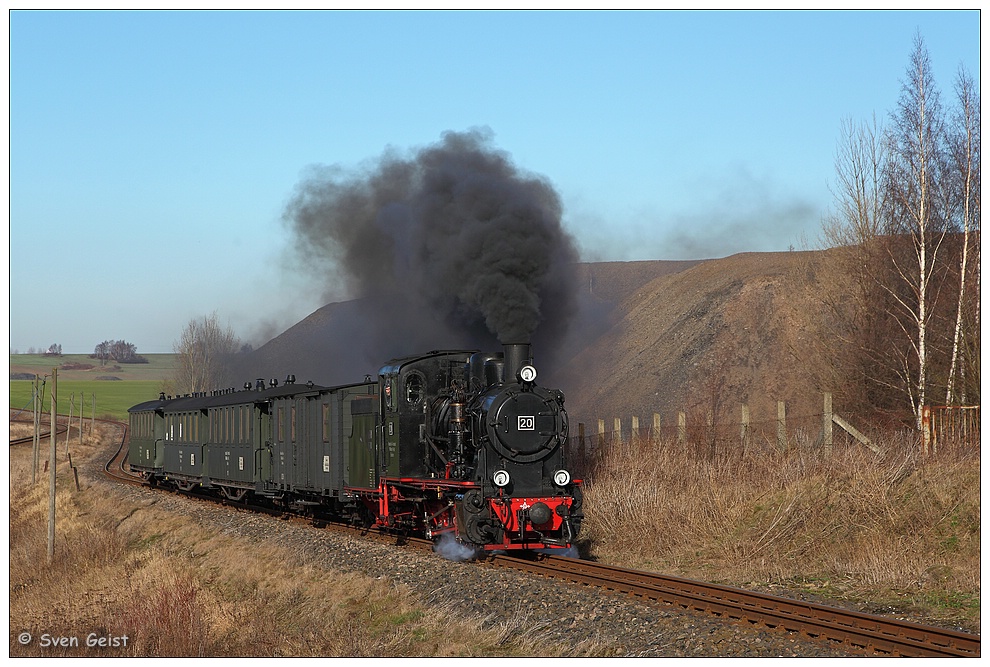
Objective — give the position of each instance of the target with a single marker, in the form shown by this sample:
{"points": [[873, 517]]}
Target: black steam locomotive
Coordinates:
{"points": [[458, 443]]}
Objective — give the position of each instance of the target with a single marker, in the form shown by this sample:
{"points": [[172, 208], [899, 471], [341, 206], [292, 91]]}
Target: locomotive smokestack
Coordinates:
{"points": [[517, 355]]}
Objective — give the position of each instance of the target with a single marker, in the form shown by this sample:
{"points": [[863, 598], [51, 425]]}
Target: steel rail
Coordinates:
{"points": [[867, 633], [59, 430], [120, 457]]}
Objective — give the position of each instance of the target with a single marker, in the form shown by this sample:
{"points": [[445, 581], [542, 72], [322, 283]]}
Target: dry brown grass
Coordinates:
{"points": [[175, 589], [890, 530]]}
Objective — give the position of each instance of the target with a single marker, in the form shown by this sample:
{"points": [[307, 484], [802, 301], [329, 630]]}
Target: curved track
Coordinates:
{"points": [[115, 469], [59, 430]]}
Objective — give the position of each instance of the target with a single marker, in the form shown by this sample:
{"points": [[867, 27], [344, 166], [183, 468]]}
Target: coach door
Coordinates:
{"points": [[309, 442], [263, 443], [360, 416]]}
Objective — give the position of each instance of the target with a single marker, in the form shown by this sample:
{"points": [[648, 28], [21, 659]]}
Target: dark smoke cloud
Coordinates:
{"points": [[456, 234]]}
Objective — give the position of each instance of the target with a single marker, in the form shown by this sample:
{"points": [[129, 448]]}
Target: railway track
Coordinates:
{"points": [[115, 469], [859, 632], [59, 430]]}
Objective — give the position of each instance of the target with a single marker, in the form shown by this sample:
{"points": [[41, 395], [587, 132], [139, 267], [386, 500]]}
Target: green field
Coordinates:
{"points": [[137, 382]]}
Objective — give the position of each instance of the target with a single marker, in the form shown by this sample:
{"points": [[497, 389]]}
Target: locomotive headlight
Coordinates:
{"points": [[527, 374], [501, 478], [562, 478]]}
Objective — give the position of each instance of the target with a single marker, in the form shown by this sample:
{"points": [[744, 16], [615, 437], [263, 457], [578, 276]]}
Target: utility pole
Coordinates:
{"points": [[82, 405], [39, 398], [68, 424], [51, 471]]}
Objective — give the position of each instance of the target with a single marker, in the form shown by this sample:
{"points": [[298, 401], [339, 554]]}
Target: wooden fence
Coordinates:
{"points": [[949, 427], [945, 428]]}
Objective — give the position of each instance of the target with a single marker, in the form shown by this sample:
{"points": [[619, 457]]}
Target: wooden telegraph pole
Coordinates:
{"points": [[39, 398], [51, 472], [68, 425]]}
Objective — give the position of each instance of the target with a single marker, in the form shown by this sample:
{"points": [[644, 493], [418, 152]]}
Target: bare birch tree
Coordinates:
{"points": [[204, 352], [917, 161], [857, 308], [905, 230], [965, 147]]}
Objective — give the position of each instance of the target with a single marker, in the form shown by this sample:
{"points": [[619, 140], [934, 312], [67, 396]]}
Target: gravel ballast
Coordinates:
{"points": [[566, 614]]}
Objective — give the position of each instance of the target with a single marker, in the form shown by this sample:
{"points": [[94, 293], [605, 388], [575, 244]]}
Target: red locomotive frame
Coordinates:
{"points": [[432, 510]]}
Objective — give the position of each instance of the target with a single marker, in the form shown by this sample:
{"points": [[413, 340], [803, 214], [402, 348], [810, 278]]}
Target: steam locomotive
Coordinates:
{"points": [[455, 443]]}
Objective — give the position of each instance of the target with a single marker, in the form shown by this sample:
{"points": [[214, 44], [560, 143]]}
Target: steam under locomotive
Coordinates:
{"points": [[461, 443]]}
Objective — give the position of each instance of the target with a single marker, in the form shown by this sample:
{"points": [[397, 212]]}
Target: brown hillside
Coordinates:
{"points": [[613, 282], [653, 336], [720, 333]]}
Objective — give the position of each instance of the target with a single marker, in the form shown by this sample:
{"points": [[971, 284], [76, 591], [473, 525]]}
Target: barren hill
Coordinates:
{"points": [[653, 336], [721, 332]]}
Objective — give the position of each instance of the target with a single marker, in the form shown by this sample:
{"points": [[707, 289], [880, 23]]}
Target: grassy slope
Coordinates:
{"points": [[124, 567]]}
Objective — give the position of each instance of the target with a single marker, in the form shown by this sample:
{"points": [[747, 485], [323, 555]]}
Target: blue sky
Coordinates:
{"points": [[152, 153]]}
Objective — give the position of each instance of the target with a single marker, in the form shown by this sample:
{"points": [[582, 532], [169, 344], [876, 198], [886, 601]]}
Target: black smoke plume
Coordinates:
{"points": [[451, 247]]}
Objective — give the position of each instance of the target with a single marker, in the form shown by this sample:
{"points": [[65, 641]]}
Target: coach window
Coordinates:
{"points": [[292, 425], [389, 390], [414, 388], [326, 422]]}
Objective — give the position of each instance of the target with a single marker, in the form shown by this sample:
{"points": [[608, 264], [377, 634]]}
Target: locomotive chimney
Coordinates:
{"points": [[517, 355]]}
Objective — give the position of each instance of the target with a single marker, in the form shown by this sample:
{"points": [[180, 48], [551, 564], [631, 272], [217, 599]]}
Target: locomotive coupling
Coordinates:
{"points": [[540, 514]]}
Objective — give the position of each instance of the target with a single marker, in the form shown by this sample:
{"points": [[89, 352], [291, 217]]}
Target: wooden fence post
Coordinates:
{"points": [[601, 433], [827, 424], [710, 433], [656, 427], [681, 428], [583, 445], [617, 430], [851, 430], [781, 425], [744, 428], [634, 436]]}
